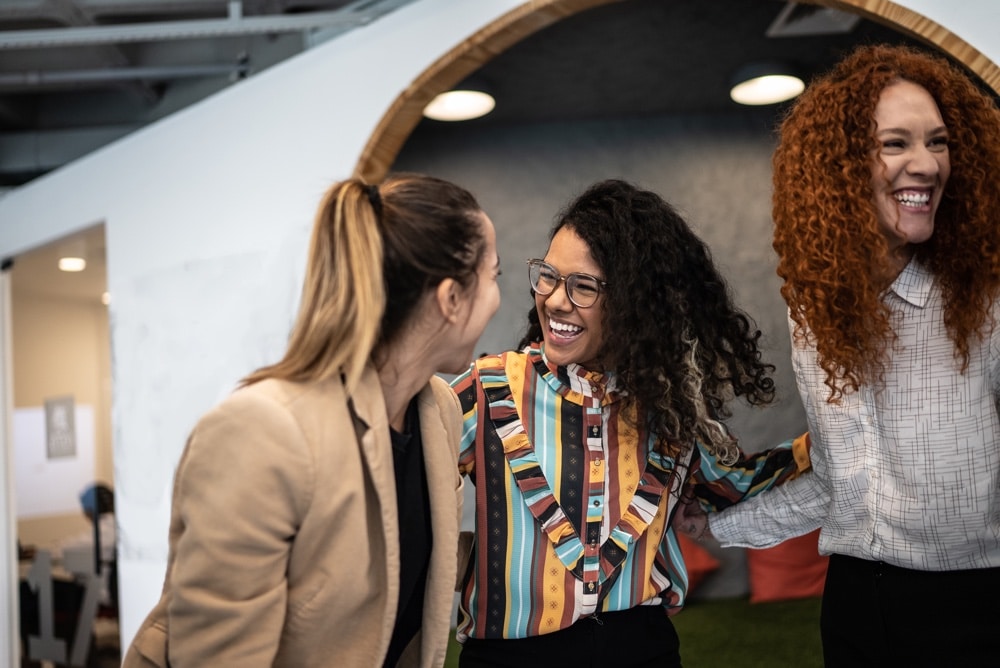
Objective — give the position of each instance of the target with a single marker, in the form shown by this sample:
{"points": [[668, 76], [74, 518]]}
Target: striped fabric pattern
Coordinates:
{"points": [[572, 506]]}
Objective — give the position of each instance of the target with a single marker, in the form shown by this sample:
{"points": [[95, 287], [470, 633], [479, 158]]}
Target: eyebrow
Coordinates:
{"points": [[903, 131]]}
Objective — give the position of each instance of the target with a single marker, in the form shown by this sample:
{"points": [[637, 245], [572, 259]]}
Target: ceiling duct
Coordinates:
{"points": [[236, 25], [798, 20], [18, 80]]}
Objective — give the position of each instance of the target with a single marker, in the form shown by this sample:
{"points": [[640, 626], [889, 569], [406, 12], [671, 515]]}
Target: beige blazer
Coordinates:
{"points": [[284, 545]]}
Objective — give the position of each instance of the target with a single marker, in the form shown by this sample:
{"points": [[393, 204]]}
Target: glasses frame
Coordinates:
{"points": [[565, 279]]}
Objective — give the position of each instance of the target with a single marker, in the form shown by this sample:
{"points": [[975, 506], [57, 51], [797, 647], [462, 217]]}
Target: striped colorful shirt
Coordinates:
{"points": [[573, 504]]}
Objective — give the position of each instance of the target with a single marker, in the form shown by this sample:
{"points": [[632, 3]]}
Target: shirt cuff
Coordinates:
{"points": [[800, 451]]}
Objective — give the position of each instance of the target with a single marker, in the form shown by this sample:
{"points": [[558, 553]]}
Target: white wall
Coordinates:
{"points": [[207, 215]]}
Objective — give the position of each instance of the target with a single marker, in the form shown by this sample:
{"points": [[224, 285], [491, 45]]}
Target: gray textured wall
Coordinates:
{"points": [[715, 170]]}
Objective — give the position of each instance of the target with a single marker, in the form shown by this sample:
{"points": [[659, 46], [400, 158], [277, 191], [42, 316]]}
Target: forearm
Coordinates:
{"points": [[783, 512], [719, 486]]}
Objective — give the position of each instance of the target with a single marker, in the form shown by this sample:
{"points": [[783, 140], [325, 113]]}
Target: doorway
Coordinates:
{"points": [[61, 425]]}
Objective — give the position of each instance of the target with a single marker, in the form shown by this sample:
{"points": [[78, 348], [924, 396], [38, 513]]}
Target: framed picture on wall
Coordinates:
{"points": [[60, 427]]}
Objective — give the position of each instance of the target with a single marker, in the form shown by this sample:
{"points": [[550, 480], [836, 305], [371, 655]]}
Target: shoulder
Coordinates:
{"points": [[485, 366], [442, 394], [273, 396], [273, 411], [497, 366]]}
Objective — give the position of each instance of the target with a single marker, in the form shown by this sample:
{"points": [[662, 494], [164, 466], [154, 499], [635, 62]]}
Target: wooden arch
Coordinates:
{"points": [[406, 111]]}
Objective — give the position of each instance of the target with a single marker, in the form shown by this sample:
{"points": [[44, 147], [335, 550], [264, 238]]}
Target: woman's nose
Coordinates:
{"points": [[923, 161], [558, 299]]}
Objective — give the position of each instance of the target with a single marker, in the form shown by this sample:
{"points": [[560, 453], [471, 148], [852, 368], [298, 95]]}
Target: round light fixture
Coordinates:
{"points": [[460, 105], [765, 83], [72, 264]]}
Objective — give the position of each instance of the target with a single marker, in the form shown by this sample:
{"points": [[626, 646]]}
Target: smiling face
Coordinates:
{"points": [[571, 334], [911, 167]]}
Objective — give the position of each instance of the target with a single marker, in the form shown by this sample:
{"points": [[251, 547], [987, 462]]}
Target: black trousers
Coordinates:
{"points": [[874, 614], [641, 637]]}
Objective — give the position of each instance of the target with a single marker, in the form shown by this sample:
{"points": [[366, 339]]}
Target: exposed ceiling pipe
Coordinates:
{"points": [[39, 78], [234, 26]]}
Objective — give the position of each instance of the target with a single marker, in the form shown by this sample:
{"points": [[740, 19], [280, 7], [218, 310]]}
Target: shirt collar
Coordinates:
{"points": [[573, 382], [913, 284]]}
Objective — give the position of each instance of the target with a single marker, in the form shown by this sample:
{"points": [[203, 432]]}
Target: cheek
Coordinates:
{"points": [[944, 170], [495, 298]]}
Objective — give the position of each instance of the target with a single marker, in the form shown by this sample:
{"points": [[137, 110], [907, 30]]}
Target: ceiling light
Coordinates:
{"points": [[765, 83], [460, 105], [72, 264]]}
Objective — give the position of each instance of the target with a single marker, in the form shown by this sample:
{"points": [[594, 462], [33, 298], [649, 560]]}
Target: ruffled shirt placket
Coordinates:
{"points": [[594, 556]]}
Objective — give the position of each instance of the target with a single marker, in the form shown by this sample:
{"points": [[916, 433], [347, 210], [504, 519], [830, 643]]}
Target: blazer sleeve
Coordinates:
{"points": [[243, 485]]}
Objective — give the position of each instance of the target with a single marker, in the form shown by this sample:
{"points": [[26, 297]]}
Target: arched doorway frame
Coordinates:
{"points": [[406, 110]]}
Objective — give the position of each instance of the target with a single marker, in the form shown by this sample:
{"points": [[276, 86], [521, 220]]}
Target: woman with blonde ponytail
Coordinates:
{"points": [[316, 509]]}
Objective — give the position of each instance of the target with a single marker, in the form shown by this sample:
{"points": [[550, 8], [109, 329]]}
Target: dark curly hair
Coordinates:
{"points": [[826, 226], [679, 346]]}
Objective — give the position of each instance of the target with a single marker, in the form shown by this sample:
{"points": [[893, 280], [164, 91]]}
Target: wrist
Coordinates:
{"points": [[704, 531]]}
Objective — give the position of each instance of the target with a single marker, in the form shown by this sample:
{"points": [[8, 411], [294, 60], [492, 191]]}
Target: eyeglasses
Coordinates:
{"points": [[582, 289]]}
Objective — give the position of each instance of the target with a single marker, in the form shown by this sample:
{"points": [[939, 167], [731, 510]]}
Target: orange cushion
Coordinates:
{"points": [[793, 569], [698, 560]]}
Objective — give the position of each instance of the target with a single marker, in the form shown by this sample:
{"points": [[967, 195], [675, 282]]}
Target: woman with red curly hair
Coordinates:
{"points": [[886, 205]]}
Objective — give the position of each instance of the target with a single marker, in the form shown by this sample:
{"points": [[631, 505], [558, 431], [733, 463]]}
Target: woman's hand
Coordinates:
{"points": [[690, 519]]}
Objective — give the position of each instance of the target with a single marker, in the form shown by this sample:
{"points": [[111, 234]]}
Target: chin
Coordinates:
{"points": [[456, 368], [558, 356]]}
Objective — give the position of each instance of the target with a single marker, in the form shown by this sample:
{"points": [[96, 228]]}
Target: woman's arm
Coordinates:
{"points": [[466, 386], [242, 488], [784, 512], [717, 486]]}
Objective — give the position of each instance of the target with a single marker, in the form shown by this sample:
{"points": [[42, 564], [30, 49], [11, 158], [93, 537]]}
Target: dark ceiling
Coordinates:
{"points": [[62, 96], [643, 57]]}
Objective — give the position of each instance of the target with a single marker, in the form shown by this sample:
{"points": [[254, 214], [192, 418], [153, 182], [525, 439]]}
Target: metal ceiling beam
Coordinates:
{"points": [[113, 54], [235, 26], [109, 74]]}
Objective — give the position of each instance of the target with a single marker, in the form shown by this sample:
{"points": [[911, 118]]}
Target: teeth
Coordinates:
{"points": [[913, 199], [564, 328]]}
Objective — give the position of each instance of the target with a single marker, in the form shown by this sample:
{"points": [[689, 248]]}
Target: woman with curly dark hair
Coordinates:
{"points": [[581, 441], [886, 197]]}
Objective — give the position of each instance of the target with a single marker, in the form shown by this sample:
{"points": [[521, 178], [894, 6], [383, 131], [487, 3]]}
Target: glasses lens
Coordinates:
{"points": [[543, 277], [583, 290]]}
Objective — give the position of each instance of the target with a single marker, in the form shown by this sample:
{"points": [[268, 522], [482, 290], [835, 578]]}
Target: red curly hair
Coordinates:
{"points": [[826, 227]]}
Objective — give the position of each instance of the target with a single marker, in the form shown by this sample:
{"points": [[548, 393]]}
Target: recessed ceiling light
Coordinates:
{"points": [[765, 83], [460, 105], [72, 264]]}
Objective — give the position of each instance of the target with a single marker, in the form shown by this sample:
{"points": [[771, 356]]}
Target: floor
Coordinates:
{"points": [[108, 652]]}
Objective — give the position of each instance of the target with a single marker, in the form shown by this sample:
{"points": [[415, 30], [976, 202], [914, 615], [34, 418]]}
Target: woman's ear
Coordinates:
{"points": [[449, 299]]}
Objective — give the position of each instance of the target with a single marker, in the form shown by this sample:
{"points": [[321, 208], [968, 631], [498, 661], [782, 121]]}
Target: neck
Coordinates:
{"points": [[402, 375], [897, 261]]}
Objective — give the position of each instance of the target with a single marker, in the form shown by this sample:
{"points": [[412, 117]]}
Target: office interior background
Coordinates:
{"points": [[191, 194]]}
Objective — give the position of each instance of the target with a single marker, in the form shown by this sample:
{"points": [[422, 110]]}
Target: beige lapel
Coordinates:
{"points": [[376, 451], [440, 445]]}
